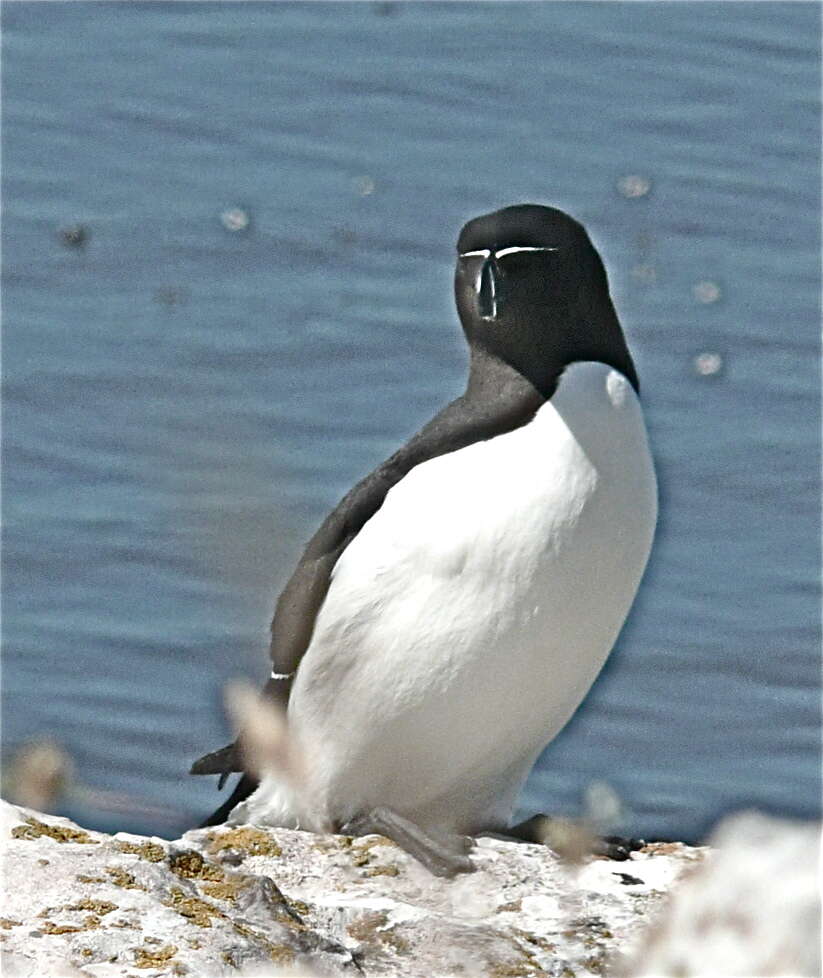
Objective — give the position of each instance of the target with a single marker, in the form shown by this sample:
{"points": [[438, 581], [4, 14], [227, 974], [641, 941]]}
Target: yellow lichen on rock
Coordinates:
{"points": [[227, 889], [382, 871], [196, 911], [530, 938], [152, 851], [101, 907], [372, 842], [254, 842], [119, 877], [515, 969], [92, 922], [279, 953], [34, 829], [147, 957], [374, 928], [49, 928], [191, 865], [515, 906]]}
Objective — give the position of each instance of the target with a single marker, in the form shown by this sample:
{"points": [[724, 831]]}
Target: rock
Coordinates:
{"points": [[245, 900], [752, 908], [83, 903]]}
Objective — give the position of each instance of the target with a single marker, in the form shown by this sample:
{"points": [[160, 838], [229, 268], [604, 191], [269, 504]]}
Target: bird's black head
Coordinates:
{"points": [[531, 291]]}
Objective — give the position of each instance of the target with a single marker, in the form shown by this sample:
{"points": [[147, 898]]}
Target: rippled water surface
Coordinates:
{"points": [[184, 402]]}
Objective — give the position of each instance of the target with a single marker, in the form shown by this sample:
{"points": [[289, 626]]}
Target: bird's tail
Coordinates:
{"points": [[244, 787], [264, 746]]}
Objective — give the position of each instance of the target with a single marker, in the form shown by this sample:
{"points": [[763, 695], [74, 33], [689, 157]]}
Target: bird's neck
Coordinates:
{"points": [[493, 380]]}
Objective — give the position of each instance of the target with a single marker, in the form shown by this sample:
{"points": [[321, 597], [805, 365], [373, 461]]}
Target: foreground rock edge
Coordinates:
{"points": [[247, 900], [231, 900]]}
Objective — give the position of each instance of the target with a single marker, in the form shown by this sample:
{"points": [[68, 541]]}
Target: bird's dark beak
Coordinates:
{"points": [[487, 288]]}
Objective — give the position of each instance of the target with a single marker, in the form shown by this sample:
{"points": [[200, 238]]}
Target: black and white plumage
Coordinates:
{"points": [[453, 610]]}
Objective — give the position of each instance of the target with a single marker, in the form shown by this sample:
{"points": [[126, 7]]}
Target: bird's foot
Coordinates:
{"points": [[442, 855], [572, 839], [617, 847]]}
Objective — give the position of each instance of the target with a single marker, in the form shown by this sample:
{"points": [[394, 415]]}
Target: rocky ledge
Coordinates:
{"points": [[244, 900]]}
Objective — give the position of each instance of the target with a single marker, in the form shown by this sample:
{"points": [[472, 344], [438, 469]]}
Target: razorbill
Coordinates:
{"points": [[452, 611]]}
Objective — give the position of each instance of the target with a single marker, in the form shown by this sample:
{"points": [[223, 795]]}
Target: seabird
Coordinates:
{"points": [[453, 610]]}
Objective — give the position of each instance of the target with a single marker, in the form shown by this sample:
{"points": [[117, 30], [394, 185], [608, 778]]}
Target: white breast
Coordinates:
{"points": [[469, 617]]}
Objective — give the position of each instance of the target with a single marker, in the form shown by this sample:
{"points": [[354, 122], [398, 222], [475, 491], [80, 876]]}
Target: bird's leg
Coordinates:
{"points": [[540, 829], [441, 855]]}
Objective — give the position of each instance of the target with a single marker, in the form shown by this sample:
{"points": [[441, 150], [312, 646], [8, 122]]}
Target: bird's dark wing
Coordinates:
{"points": [[461, 423]]}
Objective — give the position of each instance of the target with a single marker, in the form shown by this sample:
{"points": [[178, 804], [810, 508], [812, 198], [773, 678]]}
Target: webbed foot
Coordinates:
{"points": [[617, 847], [562, 835], [442, 855]]}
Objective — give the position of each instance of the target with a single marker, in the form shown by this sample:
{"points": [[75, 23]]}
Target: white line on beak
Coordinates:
{"points": [[511, 251], [485, 252]]}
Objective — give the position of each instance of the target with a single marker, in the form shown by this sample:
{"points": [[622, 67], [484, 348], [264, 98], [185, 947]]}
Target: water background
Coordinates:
{"points": [[184, 403]]}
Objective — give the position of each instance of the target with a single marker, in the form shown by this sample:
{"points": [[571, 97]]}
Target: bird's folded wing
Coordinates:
{"points": [[459, 424], [223, 761]]}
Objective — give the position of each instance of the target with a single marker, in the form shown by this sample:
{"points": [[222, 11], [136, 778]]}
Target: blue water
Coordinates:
{"points": [[184, 403]]}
